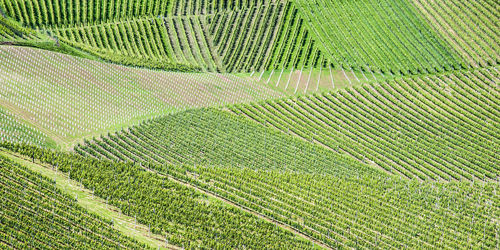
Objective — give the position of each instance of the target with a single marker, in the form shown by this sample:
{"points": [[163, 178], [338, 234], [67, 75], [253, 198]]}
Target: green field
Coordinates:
{"points": [[249, 124], [36, 214]]}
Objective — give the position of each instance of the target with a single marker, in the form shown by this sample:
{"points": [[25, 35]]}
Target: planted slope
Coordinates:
{"points": [[11, 31], [35, 214], [39, 13], [69, 97], [164, 43], [264, 37], [176, 35], [338, 207], [386, 35], [366, 212], [212, 137], [43, 13], [471, 27], [187, 217], [435, 127]]}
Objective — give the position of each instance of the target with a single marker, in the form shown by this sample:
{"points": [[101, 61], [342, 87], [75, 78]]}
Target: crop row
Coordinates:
{"points": [[212, 137], [264, 37], [14, 131], [35, 214], [67, 96], [172, 40], [385, 36], [185, 216], [43, 13], [239, 36], [203, 7], [437, 127], [473, 24], [229, 157]]}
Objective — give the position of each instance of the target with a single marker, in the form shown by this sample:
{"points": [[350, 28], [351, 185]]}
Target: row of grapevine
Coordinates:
{"points": [[264, 37], [435, 127], [203, 7], [387, 36], [367, 212], [44, 13], [337, 208], [68, 97], [471, 27], [152, 40], [10, 31], [238, 37], [212, 137], [35, 214], [187, 218]]}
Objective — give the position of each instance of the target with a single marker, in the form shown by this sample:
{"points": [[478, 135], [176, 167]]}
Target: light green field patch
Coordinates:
{"points": [[71, 98], [11, 129], [386, 35], [312, 80]]}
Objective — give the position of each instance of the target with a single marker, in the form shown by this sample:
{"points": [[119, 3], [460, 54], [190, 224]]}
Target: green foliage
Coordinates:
{"points": [[211, 137], [35, 214], [470, 27], [264, 37], [371, 35], [10, 30], [435, 127], [338, 206], [185, 216], [365, 212]]}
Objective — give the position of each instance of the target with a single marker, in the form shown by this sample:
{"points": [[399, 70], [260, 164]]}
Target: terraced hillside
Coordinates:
{"points": [[68, 97], [390, 37], [198, 34], [35, 214], [432, 127], [249, 124], [331, 198], [188, 217]]}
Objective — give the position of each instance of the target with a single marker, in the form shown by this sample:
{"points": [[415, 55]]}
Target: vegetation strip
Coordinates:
{"points": [[86, 199]]}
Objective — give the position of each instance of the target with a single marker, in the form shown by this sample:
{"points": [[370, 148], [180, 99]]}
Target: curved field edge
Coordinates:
{"points": [[200, 34], [341, 209], [68, 98], [15, 130], [213, 137], [441, 127]]}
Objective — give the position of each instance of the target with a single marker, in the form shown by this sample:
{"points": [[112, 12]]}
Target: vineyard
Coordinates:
{"points": [[32, 87], [442, 127], [186, 216], [208, 137], [34, 214], [249, 124]]}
